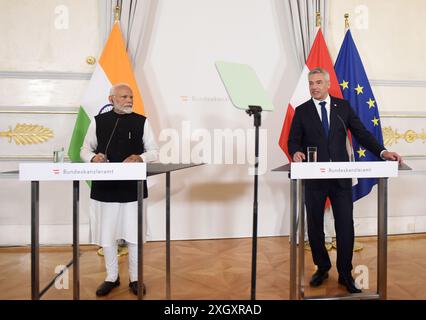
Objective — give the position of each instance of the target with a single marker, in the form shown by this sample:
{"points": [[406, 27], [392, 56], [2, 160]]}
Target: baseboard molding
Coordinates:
{"points": [[62, 234], [49, 234], [396, 225]]}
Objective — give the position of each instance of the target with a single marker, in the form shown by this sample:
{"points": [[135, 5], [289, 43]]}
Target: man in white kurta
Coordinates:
{"points": [[117, 136]]}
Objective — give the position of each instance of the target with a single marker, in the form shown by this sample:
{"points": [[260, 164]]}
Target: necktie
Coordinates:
{"points": [[324, 118]]}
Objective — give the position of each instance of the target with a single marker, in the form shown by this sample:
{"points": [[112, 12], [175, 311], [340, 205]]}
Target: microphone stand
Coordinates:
{"points": [[256, 112], [357, 245]]}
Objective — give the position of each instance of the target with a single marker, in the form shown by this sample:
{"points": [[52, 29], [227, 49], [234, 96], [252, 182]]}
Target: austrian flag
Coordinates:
{"points": [[318, 57]]}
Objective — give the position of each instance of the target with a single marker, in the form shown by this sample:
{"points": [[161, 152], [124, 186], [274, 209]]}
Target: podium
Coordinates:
{"points": [[336, 170], [160, 168], [36, 172]]}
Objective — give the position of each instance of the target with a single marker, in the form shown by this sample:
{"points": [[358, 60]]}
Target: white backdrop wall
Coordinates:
{"points": [[186, 95], [182, 92], [189, 109]]}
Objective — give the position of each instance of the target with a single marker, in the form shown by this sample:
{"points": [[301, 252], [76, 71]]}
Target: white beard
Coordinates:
{"points": [[124, 109]]}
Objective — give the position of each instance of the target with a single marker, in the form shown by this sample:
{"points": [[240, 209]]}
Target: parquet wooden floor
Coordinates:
{"points": [[215, 269]]}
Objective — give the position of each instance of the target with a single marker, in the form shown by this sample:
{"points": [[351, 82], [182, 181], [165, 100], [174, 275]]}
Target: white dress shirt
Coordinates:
{"points": [[327, 107]]}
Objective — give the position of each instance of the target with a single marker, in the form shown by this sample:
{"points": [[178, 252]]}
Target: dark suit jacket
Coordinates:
{"points": [[306, 131]]}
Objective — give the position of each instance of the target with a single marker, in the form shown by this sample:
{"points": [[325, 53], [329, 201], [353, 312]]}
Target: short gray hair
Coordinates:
{"points": [[116, 86], [321, 71]]}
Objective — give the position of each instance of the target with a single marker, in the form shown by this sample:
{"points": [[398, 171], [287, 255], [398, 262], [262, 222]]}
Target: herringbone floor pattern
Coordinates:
{"points": [[216, 269]]}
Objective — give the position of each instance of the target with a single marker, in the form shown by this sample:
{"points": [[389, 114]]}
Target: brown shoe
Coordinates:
{"points": [[134, 288], [106, 287]]}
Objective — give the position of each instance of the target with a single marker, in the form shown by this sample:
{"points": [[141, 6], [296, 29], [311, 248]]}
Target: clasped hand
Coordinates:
{"points": [[100, 157]]}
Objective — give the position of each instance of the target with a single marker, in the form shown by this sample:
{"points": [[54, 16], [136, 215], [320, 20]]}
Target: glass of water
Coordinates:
{"points": [[312, 154], [58, 155]]}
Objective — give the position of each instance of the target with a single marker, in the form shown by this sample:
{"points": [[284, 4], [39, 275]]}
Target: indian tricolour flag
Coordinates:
{"points": [[113, 67]]}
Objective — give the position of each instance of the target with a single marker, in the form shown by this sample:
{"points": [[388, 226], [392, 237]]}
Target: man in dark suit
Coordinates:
{"points": [[322, 122]]}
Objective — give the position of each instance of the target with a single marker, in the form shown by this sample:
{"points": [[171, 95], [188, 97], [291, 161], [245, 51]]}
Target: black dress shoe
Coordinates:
{"points": [[349, 283], [106, 287], [318, 278], [134, 287]]}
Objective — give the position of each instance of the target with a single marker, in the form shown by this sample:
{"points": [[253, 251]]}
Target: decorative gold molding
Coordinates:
{"points": [[24, 134], [391, 136]]}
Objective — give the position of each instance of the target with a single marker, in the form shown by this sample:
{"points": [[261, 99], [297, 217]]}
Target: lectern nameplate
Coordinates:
{"points": [[341, 170], [82, 171]]}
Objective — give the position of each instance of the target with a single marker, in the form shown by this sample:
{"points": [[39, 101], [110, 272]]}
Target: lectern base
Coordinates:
{"points": [[358, 246], [328, 246], [121, 251]]}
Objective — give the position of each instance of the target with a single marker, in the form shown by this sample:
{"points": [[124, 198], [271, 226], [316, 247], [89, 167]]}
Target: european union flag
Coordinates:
{"points": [[356, 89]]}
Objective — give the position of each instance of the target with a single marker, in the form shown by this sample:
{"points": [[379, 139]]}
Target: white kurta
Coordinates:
{"points": [[111, 221]]}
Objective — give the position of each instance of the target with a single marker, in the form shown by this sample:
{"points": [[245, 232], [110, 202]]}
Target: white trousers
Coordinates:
{"points": [[112, 221], [111, 262]]}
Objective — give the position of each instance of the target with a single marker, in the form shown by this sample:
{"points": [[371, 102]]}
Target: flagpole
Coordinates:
{"points": [[140, 287], [357, 245], [346, 21], [306, 244], [117, 14]]}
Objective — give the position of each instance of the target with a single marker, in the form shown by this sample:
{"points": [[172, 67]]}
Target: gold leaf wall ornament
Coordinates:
{"points": [[24, 134], [391, 136]]}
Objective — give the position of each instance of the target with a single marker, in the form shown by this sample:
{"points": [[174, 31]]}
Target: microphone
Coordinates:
{"points": [[349, 148], [110, 138]]}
